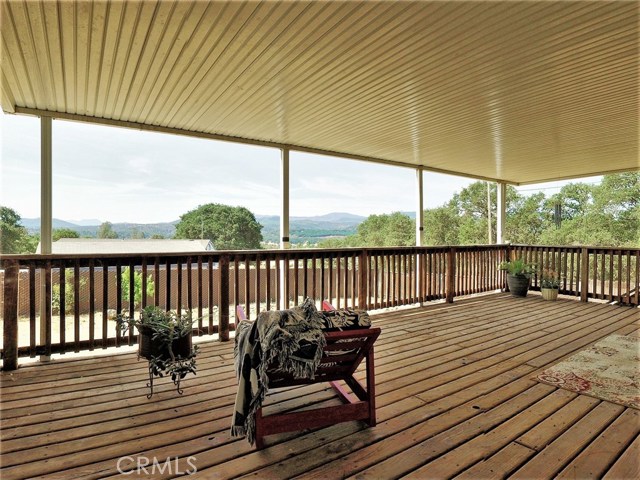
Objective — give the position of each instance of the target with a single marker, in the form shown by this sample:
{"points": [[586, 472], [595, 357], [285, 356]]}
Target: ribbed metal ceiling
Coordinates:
{"points": [[514, 91]]}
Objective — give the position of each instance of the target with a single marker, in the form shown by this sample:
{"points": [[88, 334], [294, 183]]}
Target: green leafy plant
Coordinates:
{"points": [[137, 287], [165, 328], [550, 279], [518, 268], [69, 296]]}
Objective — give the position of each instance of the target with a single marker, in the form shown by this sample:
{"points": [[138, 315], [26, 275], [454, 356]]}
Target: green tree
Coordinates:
{"points": [[607, 214], [14, 238], [395, 229], [228, 228], [136, 233], [442, 225], [137, 287], [105, 230], [526, 218], [59, 233]]}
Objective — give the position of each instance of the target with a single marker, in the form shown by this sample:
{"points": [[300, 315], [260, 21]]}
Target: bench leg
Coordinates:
{"points": [[259, 430], [371, 388]]}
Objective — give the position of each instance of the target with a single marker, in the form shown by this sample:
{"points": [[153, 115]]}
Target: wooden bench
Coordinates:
{"points": [[342, 355]]}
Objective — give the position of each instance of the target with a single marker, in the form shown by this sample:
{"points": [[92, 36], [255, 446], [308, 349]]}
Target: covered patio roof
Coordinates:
{"points": [[517, 92]]}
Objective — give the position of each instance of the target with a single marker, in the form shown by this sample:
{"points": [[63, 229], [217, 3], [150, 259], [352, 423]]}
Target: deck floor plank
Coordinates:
{"points": [[455, 395]]}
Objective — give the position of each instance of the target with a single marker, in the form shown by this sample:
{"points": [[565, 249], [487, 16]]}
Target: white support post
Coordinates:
{"points": [[419, 229], [284, 224], [502, 212], [420, 209], [46, 215]]}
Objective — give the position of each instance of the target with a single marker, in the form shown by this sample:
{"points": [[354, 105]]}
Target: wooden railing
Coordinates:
{"points": [[57, 304], [610, 274]]}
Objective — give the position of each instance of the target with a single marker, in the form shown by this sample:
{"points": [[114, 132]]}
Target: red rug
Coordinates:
{"points": [[608, 370]]}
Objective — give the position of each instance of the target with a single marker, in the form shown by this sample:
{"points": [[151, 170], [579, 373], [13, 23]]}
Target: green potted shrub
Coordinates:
{"points": [[549, 284], [164, 339], [518, 276]]}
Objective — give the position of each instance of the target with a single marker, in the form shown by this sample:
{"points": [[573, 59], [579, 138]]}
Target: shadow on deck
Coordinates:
{"points": [[454, 394]]}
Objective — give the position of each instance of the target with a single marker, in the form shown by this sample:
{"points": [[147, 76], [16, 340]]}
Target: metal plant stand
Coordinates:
{"points": [[150, 384]]}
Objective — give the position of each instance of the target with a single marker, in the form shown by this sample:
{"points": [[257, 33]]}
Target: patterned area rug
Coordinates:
{"points": [[608, 370]]}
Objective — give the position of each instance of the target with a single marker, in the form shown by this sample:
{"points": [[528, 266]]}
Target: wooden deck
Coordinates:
{"points": [[454, 392]]}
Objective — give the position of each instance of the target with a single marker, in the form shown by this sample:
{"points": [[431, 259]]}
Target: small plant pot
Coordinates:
{"points": [[148, 348], [549, 293], [518, 285]]}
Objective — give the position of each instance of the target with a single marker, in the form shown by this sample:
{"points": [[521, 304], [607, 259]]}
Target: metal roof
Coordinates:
{"points": [[108, 245], [515, 91]]}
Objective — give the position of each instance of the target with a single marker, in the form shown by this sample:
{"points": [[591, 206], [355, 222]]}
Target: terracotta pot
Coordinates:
{"points": [[147, 347], [549, 293], [518, 285]]}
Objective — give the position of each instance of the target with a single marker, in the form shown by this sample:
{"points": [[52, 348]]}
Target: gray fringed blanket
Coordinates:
{"points": [[292, 339]]}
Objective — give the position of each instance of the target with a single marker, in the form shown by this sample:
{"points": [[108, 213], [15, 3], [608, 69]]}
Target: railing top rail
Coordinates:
{"points": [[80, 256], [215, 254], [579, 247]]}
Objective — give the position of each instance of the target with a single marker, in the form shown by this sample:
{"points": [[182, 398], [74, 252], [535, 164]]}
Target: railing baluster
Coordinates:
{"points": [[247, 287], [105, 301], [258, 280], [211, 299], [167, 290], [92, 305], [223, 296], [278, 259], [268, 286], [179, 287], [296, 279], [47, 308], [32, 311], [619, 254], [62, 302], [189, 286], [132, 304], [145, 286], [200, 296], [10, 315], [76, 306]]}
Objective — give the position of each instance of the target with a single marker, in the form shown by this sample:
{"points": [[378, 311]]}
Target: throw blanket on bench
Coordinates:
{"points": [[345, 319], [292, 339]]}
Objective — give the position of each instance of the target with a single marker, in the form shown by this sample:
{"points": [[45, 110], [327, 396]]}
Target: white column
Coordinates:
{"points": [[419, 209], [502, 212], [489, 235], [419, 227], [284, 223], [284, 210], [46, 213]]}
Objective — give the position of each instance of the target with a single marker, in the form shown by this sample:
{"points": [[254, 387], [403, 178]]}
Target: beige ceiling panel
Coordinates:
{"points": [[514, 91]]}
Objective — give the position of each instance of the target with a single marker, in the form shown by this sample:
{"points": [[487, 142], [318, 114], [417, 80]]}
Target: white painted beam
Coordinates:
{"points": [[420, 208], [502, 212], [285, 242], [46, 213]]}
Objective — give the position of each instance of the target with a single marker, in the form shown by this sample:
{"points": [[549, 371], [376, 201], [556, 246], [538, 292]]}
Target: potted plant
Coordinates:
{"points": [[549, 284], [164, 339], [518, 276]]}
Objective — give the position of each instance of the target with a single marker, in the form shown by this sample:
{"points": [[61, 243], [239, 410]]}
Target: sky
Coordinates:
{"points": [[123, 175]]}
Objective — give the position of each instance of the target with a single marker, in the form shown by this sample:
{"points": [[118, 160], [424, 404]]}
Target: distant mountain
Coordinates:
{"points": [[302, 229], [34, 224], [310, 229], [124, 230], [86, 222]]}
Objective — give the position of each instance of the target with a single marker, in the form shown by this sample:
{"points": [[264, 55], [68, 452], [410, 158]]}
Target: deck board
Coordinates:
{"points": [[455, 397]]}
